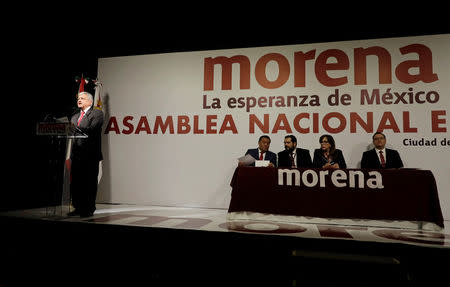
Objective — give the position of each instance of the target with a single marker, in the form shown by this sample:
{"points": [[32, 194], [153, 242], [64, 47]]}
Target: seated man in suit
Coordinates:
{"points": [[293, 156], [380, 156], [262, 152]]}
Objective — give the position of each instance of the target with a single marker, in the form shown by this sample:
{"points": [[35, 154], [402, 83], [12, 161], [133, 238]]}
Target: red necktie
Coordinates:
{"points": [[291, 155], [261, 157], [81, 117], [383, 162]]}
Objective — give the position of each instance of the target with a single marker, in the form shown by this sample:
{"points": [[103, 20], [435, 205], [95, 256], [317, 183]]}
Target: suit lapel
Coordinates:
{"points": [[376, 158], [255, 154], [389, 157], [75, 117]]}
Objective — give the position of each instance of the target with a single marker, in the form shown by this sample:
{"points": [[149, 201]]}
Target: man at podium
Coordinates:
{"points": [[86, 154]]}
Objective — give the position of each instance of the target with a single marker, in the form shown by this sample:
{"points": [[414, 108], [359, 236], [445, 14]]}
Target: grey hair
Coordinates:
{"points": [[90, 97]]}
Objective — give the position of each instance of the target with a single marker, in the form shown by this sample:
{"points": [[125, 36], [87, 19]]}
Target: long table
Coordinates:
{"points": [[397, 194]]}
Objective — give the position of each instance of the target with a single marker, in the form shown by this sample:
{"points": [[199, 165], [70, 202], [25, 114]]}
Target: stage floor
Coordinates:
{"points": [[168, 246], [215, 220]]}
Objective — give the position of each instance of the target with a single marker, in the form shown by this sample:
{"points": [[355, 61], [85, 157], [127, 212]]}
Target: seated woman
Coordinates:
{"points": [[328, 156]]}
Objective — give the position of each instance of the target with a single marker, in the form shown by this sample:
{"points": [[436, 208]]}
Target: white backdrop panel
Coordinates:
{"points": [[195, 168]]}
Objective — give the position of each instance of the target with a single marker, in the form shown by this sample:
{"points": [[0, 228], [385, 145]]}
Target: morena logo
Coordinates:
{"points": [[408, 71]]}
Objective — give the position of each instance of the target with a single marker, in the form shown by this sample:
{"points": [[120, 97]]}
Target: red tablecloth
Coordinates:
{"points": [[406, 194]]}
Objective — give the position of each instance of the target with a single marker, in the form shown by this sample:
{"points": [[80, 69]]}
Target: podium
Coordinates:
{"points": [[61, 135]]}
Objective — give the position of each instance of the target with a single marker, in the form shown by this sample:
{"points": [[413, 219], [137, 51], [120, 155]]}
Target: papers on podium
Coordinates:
{"points": [[248, 160], [262, 163]]}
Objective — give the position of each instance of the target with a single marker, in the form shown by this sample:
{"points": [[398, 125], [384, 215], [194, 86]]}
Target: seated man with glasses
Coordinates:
{"points": [[381, 157], [293, 156]]}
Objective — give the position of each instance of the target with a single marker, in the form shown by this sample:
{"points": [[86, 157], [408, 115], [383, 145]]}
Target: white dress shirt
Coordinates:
{"points": [[294, 155], [384, 154], [259, 154]]}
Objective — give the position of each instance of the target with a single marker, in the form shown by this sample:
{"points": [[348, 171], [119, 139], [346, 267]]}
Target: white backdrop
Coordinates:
{"points": [[191, 163]]}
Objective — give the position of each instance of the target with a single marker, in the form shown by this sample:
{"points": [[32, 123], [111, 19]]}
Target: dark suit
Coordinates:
{"points": [[86, 154], [268, 155], [370, 159], [303, 158], [319, 160]]}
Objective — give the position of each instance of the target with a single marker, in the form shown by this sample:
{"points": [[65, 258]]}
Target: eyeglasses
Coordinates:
{"points": [[376, 139]]}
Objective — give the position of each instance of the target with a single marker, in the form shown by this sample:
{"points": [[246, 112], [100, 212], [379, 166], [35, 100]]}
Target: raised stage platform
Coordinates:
{"points": [[167, 246]]}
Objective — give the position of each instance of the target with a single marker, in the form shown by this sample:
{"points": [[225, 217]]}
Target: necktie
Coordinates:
{"points": [[326, 155], [81, 117], [383, 161], [261, 157], [291, 155]]}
